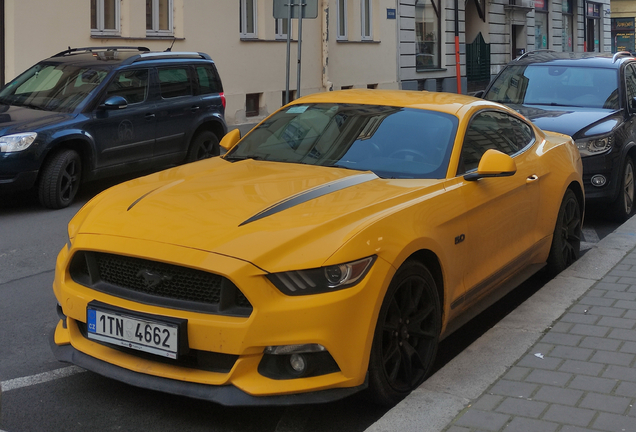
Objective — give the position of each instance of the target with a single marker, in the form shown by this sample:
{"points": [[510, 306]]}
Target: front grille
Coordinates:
{"points": [[158, 283], [193, 359]]}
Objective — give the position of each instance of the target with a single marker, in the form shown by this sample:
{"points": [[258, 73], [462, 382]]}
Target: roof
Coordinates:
{"points": [[118, 55], [586, 59]]}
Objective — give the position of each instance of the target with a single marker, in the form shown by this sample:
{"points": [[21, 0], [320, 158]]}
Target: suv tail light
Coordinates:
{"points": [[222, 98]]}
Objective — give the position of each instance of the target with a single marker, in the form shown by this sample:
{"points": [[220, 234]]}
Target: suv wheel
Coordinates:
{"points": [[204, 145], [624, 205], [60, 179]]}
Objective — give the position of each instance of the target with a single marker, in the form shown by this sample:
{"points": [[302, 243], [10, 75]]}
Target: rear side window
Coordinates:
{"points": [[174, 82], [209, 81]]}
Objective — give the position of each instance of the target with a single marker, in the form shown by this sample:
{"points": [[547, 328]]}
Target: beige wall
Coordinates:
{"points": [[36, 29]]}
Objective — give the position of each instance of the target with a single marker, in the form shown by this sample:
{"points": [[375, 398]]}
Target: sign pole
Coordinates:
{"points": [[300, 38], [289, 15]]}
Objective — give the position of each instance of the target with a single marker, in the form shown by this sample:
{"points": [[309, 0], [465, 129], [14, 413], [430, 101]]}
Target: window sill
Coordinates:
{"points": [[94, 36], [430, 70], [243, 39], [358, 42]]}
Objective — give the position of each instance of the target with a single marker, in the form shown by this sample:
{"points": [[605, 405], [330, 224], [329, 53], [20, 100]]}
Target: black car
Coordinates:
{"points": [[89, 113], [589, 96]]}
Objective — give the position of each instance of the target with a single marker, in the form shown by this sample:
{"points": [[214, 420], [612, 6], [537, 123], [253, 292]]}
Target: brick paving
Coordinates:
{"points": [[580, 376]]}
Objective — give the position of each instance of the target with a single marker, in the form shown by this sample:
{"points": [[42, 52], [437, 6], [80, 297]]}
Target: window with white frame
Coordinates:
{"points": [[282, 27], [247, 11], [342, 20], [367, 18], [158, 17], [105, 17]]}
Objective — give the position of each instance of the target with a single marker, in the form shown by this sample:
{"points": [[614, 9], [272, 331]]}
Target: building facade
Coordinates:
{"points": [[410, 44]]}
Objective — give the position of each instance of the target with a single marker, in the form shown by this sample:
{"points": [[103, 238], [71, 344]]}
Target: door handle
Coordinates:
{"points": [[194, 108], [150, 116], [531, 179]]}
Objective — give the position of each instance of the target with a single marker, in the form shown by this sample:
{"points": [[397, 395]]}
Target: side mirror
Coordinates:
{"points": [[493, 164], [230, 139], [114, 103], [479, 94]]}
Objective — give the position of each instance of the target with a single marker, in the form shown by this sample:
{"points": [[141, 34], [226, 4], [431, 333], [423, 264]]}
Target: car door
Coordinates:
{"points": [[125, 135], [501, 211], [175, 109]]}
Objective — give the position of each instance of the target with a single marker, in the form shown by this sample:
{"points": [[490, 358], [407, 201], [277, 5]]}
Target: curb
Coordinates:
{"points": [[451, 389]]}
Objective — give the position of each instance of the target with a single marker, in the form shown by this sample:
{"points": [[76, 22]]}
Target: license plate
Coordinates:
{"points": [[138, 332]]}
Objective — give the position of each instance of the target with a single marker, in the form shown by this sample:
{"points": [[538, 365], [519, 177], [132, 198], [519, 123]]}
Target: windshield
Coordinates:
{"points": [[392, 142], [556, 85], [52, 87]]}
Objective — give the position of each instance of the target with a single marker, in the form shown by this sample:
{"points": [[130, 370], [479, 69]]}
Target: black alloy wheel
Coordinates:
{"points": [[204, 145], [406, 336], [60, 179], [566, 240]]}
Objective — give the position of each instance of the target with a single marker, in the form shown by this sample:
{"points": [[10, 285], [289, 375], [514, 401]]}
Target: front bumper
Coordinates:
{"points": [[608, 165], [225, 395], [342, 321]]}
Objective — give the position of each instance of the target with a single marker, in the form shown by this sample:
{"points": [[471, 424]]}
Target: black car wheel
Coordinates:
{"points": [[204, 145], [566, 240], [406, 335], [624, 205], [60, 179]]}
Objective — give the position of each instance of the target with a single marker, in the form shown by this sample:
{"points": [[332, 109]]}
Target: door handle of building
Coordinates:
{"points": [[533, 178]]}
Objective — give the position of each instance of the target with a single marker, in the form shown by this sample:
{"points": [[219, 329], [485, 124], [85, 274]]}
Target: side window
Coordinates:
{"points": [[493, 130], [209, 81], [630, 83], [174, 82], [131, 85]]}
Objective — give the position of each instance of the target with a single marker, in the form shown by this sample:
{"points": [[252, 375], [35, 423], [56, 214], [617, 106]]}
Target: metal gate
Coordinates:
{"points": [[478, 60]]}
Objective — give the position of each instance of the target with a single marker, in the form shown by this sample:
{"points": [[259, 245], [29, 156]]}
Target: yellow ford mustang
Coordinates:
{"points": [[327, 251]]}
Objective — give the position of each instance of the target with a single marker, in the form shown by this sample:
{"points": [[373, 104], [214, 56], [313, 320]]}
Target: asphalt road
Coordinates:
{"points": [[41, 394]]}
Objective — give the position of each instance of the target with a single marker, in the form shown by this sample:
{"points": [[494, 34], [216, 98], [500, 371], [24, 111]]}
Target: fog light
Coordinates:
{"points": [[598, 180], [298, 363]]}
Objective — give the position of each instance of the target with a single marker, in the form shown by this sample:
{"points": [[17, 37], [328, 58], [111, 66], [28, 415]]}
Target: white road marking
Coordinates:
{"points": [[28, 381]]}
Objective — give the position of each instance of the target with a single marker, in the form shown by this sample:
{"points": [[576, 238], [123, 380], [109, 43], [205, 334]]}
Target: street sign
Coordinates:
{"points": [[309, 7]]}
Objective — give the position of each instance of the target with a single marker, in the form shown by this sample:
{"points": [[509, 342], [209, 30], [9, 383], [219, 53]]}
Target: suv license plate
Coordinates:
{"points": [[136, 332]]}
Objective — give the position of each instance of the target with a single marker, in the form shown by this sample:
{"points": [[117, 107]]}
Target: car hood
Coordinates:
{"points": [[266, 213], [566, 120], [15, 119]]}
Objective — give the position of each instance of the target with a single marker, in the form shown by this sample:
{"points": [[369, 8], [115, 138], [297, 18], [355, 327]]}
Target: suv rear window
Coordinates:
{"points": [[557, 86]]}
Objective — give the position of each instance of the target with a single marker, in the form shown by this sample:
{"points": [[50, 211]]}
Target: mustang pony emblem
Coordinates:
{"points": [[151, 279]]}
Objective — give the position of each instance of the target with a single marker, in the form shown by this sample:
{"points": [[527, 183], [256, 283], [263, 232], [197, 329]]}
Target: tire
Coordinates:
{"points": [[622, 208], [566, 239], [406, 335], [204, 145], [60, 179]]}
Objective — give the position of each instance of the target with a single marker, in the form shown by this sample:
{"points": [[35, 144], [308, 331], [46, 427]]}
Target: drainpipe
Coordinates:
{"points": [[326, 84], [458, 67]]}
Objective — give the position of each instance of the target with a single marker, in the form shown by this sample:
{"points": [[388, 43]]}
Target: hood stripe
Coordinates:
{"points": [[310, 194]]}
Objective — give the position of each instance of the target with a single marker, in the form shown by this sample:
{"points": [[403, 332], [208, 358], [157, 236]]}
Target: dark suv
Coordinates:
{"points": [[89, 113], [589, 96]]}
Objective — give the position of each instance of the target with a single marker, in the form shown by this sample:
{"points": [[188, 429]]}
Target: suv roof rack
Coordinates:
{"points": [[620, 54], [100, 48], [527, 53]]}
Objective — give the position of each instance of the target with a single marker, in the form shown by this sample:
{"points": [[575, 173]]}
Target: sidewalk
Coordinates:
{"points": [[563, 361]]}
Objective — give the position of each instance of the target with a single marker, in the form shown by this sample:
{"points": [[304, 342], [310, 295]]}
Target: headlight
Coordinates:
{"points": [[594, 146], [16, 142], [323, 279]]}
